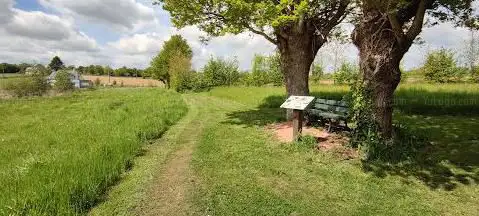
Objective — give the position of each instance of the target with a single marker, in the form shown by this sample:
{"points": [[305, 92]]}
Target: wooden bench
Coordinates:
{"points": [[328, 111]]}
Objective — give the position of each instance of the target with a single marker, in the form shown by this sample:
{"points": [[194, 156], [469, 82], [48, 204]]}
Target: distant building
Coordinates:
{"points": [[74, 77]]}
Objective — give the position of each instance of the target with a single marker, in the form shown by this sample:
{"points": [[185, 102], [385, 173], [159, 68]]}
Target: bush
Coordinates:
{"points": [[180, 73], [475, 75], [220, 72], [441, 67], [347, 74], [97, 81], [34, 85], [63, 82], [198, 82], [317, 73], [266, 70]]}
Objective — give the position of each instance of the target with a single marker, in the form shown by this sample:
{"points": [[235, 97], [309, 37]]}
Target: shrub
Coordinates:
{"points": [[266, 70], [63, 82], [220, 72], [180, 73], [274, 73], [475, 75], [97, 81], [347, 74], [317, 73], [34, 85], [114, 82], [441, 67], [198, 82]]}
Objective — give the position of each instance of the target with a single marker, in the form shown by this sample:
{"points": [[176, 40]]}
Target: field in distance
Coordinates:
{"points": [[126, 81]]}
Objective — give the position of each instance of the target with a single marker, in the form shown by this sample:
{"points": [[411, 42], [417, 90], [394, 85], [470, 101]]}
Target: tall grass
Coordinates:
{"points": [[59, 155]]}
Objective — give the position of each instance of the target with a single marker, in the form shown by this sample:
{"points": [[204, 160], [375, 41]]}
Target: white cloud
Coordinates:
{"points": [[35, 36], [38, 25], [5, 11], [125, 14], [139, 43]]}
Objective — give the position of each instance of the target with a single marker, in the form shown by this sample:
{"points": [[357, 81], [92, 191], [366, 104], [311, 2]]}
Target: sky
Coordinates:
{"points": [[131, 32]]}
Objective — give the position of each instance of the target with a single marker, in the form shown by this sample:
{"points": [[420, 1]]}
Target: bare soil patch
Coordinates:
{"points": [[328, 142]]}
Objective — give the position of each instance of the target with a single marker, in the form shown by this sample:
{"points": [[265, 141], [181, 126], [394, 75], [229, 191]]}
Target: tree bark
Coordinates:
{"points": [[298, 51], [379, 59]]}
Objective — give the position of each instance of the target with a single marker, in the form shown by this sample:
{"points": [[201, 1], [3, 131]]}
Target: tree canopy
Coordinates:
{"points": [[160, 64], [266, 18], [297, 27], [56, 64]]}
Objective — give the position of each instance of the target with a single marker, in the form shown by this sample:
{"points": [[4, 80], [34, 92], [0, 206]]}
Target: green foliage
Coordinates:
{"points": [[161, 63], [63, 82], [108, 71], [441, 67], [9, 68], [34, 85], [56, 64], [275, 74], [37, 69], [347, 74], [61, 154], [366, 136], [265, 70], [180, 72], [220, 72], [475, 75], [236, 16], [317, 73]]}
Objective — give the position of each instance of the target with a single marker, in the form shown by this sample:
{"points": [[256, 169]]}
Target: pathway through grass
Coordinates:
{"points": [[220, 161]]}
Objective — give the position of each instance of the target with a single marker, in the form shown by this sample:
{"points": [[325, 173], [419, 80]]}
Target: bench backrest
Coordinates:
{"points": [[333, 106]]}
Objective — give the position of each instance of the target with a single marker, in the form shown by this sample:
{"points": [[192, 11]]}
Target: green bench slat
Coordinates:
{"points": [[327, 114], [330, 109], [342, 110]]}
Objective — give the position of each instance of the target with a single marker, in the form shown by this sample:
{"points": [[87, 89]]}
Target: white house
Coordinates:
{"points": [[74, 77]]}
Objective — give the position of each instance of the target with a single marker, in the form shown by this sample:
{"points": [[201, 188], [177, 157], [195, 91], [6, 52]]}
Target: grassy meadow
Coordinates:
{"points": [[60, 154], [246, 172]]}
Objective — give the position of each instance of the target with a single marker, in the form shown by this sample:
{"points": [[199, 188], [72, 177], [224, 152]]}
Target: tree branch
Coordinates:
{"points": [[396, 27], [339, 16], [417, 24], [246, 25], [270, 39]]}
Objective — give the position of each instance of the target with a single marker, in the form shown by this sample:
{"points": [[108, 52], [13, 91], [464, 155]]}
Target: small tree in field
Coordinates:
{"points": [[160, 64], [441, 67], [317, 72], [63, 82], [346, 74], [180, 73], [56, 64]]}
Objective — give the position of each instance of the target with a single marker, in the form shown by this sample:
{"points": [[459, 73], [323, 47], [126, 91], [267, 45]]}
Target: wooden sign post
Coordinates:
{"points": [[298, 104]]}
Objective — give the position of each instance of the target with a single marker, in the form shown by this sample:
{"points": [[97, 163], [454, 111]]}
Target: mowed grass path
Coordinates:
{"points": [[235, 167], [59, 155]]}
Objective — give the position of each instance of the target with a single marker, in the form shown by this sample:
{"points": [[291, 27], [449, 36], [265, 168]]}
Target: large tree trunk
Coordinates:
{"points": [[379, 57], [298, 51]]}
